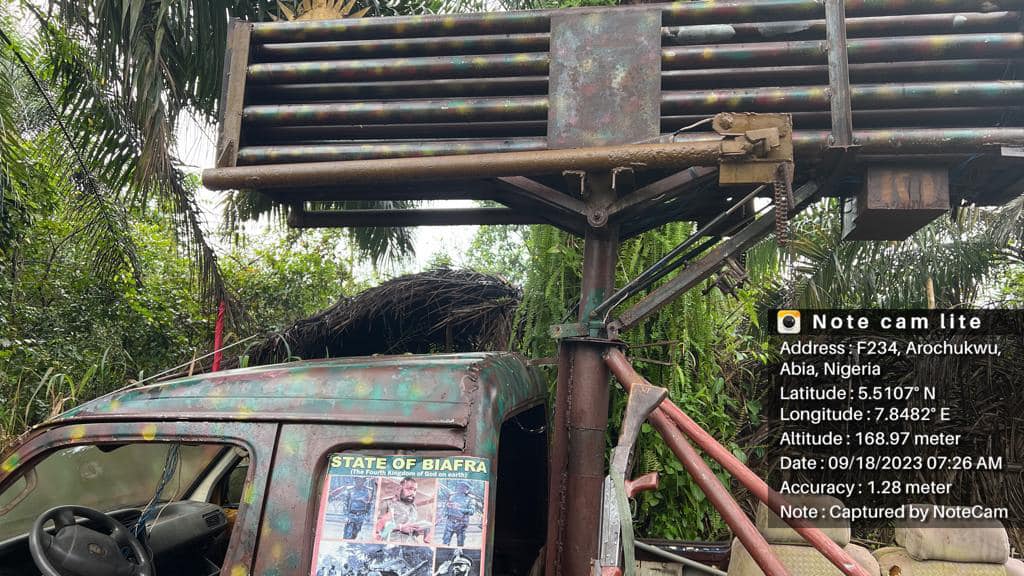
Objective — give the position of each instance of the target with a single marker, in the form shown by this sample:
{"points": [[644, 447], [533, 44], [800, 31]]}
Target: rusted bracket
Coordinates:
{"points": [[755, 145], [572, 330]]}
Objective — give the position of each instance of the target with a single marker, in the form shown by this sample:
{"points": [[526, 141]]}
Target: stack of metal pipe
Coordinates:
{"points": [[926, 76]]}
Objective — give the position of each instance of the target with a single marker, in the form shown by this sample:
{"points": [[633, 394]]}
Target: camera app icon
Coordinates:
{"points": [[788, 322]]}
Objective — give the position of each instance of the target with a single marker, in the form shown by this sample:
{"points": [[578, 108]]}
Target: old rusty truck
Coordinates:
{"points": [[602, 122]]}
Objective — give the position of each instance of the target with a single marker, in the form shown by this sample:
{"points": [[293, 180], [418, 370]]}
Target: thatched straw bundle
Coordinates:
{"points": [[437, 311]]}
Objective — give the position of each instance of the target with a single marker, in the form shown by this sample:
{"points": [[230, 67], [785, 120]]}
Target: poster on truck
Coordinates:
{"points": [[402, 515]]}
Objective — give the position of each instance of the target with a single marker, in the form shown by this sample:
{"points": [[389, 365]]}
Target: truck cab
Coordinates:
{"points": [[394, 465]]}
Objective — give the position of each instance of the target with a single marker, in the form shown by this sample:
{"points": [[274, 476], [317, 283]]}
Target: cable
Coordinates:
{"points": [[678, 559]]}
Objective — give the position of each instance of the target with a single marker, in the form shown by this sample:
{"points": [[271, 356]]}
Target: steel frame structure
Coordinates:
{"points": [[507, 108]]}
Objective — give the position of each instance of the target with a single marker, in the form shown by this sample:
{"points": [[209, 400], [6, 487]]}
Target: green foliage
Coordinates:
{"points": [[500, 251], [961, 258], [286, 279], [695, 348], [71, 335]]}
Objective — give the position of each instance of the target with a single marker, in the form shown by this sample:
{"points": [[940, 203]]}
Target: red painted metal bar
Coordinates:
{"points": [[717, 494], [623, 370]]}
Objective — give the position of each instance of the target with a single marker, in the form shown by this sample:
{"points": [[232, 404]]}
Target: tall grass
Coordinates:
{"points": [[28, 398]]}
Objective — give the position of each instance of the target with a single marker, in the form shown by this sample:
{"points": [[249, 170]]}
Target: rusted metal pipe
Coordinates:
{"points": [[897, 118], [704, 153], [945, 70], [371, 132], [390, 48], [493, 65], [714, 12], [914, 140], [367, 150], [285, 93], [689, 149], [863, 96], [717, 494], [524, 22], [514, 108], [951, 46], [538, 21], [810, 144], [624, 372], [953, 23], [391, 111]]}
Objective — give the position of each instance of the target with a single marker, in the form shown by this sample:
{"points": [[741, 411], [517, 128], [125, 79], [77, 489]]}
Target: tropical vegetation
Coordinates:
{"points": [[110, 274]]}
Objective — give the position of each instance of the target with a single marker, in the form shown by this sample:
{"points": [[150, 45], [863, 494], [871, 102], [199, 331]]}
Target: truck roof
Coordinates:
{"points": [[424, 390]]}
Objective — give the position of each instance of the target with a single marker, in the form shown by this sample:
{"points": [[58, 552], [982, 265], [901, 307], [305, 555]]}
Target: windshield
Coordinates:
{"points": [[104, 477]]}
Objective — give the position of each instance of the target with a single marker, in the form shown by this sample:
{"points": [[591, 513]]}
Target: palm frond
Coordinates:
{"points": [[104, 221], [129, 139]]}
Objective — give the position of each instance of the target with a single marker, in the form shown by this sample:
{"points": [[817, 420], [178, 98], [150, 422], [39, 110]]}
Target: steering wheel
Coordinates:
{"points": [[76, 550]]}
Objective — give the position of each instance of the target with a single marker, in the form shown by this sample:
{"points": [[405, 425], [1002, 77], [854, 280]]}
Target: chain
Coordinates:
{"points": [[782, 187]]}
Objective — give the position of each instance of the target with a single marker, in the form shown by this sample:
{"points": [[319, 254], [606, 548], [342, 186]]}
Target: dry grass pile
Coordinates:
{"points": [[441, 310]]}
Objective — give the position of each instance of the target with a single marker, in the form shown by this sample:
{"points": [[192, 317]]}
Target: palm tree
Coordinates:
{"points": [[125, 72], [945, 264]]}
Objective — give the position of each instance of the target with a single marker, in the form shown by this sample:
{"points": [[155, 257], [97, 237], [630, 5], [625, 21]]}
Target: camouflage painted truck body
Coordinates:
{"points": [[290, 418]]}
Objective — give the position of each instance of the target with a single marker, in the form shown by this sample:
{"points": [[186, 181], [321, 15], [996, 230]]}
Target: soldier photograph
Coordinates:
{"points": [[460, 512], [350, 507], [352, 559], [406, 512], [456, 562]]}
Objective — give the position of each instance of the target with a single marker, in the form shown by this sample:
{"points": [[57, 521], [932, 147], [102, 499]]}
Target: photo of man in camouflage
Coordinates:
{"points": [[404, 519]]}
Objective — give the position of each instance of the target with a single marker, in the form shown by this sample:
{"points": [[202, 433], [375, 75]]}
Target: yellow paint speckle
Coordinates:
{"points": [[239, 570], [149, 432], [9, 464], [77, 432], [708, 53], [367, 440]]}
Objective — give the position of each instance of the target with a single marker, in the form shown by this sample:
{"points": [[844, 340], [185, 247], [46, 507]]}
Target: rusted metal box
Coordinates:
{"points": [[895, 202]]}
